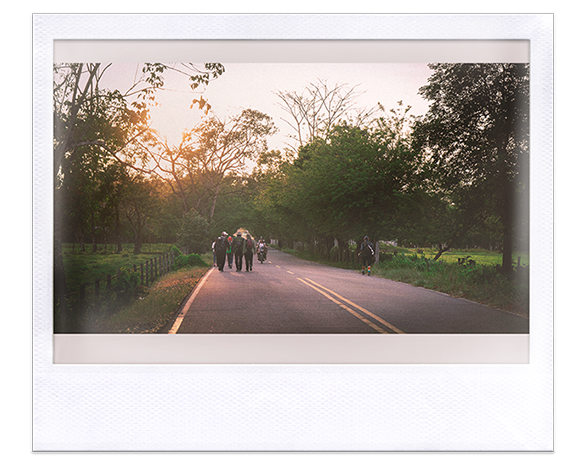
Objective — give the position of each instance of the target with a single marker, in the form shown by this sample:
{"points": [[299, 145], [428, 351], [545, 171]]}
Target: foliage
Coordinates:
{"points": [[469, 279], [153, 311], [475, 138], [195, 233], [185, 261], [209, 157], [351, 184]]}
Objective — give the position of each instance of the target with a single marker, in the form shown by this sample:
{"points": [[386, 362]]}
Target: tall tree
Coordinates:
{"points": [[318, 108], [343, 187], [85, 115], [476, 136], [197, 168]]}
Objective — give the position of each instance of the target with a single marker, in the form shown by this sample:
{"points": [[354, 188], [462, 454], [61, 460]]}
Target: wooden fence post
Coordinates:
{"points": [[147, 273], [141, 266]]}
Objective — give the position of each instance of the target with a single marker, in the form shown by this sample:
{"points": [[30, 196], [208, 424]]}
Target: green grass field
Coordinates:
{"points": [[85, 267], [481, 256]]}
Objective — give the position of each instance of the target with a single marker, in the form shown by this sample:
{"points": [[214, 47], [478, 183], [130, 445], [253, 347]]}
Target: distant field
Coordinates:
{"points": [[85, 267], [481, 256]]}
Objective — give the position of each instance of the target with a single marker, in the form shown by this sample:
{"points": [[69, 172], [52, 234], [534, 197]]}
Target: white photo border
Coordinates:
{"points": [[526, 421]]}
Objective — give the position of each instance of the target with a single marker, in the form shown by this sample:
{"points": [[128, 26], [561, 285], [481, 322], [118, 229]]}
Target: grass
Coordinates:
{"points": [[477, 279], [128, 307], [85, 267], [154, 310]]}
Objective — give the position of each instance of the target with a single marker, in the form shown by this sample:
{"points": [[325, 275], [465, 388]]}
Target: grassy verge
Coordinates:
{"points": [[151, 312], [85, 267], [476, 281], [127, 306]]}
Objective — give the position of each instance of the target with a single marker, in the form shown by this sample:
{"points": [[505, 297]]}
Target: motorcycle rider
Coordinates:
{"points": [[262, 247]]}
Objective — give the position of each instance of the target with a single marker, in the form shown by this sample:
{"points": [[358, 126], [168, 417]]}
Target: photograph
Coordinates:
{"points": [[292, 233], [291, 198]]}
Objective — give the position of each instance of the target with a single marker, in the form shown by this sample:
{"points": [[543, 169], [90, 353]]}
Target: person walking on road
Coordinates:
{"points": [[220, 248], [367, 255], [238, 249], [229, 253], [249, 252]]}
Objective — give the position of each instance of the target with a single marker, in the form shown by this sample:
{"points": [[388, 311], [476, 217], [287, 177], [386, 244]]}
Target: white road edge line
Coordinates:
{"points": [[182, 314]]}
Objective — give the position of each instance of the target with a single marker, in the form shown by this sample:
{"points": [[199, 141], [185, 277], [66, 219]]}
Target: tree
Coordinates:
{"points": [[314, 112], [86, 115], [197, 168], [344, 187], [194, 235], [139, 203], [476, 137]]}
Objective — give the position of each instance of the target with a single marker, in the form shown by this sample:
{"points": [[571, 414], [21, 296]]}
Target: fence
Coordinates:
{"points": [[96, 293]]}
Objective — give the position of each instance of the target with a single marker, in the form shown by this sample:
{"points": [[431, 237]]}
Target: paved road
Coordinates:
{"points": [[290, 295]]}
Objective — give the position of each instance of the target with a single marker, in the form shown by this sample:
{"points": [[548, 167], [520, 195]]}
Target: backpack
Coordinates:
{"points": [[366, 250], [237, 244], [221, 244], [249, 244]]}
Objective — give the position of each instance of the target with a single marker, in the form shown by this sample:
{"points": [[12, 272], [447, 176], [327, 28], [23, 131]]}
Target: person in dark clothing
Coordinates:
{"points": [[249, 252], [367, 255], [238, 250], [220, 248]]}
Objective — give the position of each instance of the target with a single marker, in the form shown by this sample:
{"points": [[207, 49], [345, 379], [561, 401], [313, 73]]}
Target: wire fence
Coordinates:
{"points": [[99, 293]]}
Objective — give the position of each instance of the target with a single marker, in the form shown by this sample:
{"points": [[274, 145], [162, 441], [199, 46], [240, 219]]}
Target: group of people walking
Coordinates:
{"points": [[234, 249]]}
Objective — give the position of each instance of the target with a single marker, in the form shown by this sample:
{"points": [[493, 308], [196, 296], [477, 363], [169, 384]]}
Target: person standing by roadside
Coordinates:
{"points": [[367, 255], [249, 252], [238, 249]]}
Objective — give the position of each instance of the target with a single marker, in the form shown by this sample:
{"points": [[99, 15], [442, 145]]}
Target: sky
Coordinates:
{"points": [[253, 85]]}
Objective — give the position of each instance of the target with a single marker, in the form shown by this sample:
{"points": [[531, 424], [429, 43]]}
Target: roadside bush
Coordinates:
{"points": [[191, 260]]}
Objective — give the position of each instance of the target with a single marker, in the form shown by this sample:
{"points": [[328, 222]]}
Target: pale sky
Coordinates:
{"points": [[252, 85]]}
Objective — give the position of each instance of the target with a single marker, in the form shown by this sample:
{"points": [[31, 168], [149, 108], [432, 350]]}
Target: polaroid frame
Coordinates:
{"points": [[536, 29]]}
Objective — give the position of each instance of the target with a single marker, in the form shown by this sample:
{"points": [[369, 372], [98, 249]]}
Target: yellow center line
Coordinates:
{"points": [[288, 271], [379, 319], [343, 306]]}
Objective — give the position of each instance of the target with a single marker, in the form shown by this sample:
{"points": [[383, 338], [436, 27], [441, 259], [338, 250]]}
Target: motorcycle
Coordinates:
{"points": [[262, 255]]}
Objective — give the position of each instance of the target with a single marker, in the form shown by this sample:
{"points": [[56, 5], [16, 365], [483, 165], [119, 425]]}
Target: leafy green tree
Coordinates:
{"points": [[108, 121], [344, 187], [198, 168], [475, 138], [194, 235]]}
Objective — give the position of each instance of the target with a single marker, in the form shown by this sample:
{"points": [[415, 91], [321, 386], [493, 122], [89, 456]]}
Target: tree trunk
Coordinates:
{"points": [[93, 237], [59, 282], [118, 230]]}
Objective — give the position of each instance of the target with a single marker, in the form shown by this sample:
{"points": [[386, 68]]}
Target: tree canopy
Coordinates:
{"points": [[455, 176]]}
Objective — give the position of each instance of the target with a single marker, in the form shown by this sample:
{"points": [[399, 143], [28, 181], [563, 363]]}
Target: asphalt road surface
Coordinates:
{"points": [[289, 295]]}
